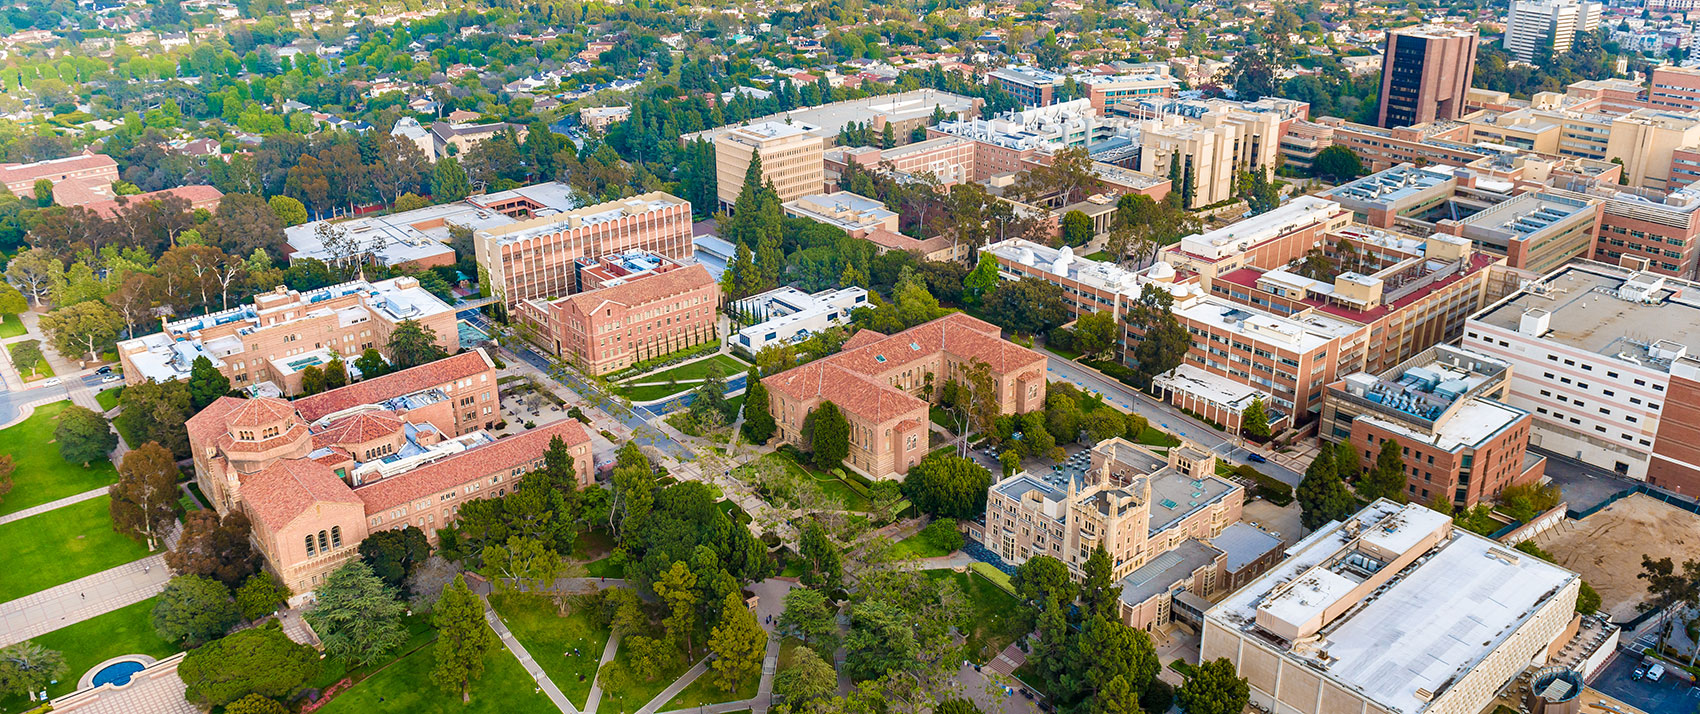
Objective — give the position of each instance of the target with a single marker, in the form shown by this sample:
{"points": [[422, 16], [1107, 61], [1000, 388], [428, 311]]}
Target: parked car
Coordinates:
{"points": [[110, 378], [51, 382], [1655, 672], [1255, 457], [1640, 671], [104, 370]]}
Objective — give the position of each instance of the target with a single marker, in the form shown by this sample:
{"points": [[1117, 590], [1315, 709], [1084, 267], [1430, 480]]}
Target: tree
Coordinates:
{"points": [[26, 354], [942, 535], [826, 561], [412, 344], [394, 553], [1337, 162], [1214, 688], [759, 424], [144, 501], [1095, 334], [963, 706], [255, 704], [1323, 497], [1010, 461], [1028, 305], [1387, 478], [12, 302], [810, 618], [449, 181], [357, 616], [830, 436], [259, 596], [86, 327], [289, 210], [1668, 587], [1098, 592], [1076, 228], [371, 364], [206, 383], [1163, 341], [27, 668], [1117, 652], [261, 661], [1254, 421], [1041, 579], [738, 642], [245, 222], [83, 436], [808, 678], [35, 271], [948, 486], [154, 411], [215, 547], [463, 638], [981, 280], [193, 610]]}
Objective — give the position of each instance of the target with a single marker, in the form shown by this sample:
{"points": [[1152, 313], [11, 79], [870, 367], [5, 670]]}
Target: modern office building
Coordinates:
{"points": [[1392, 610], [884, 385], [1601, 355], [1034, 87], [1539, 30], [1425, 74], [904, 112], [1647, 227], [1462, 443], [792, 159], [1674, 87], [854, 214], [1275, 238], [1088, 286], [264, 346], [949, 159], [1109, 93], [788, 315], [1212, 141], [314, 489], [539, 257], [632, 307]]}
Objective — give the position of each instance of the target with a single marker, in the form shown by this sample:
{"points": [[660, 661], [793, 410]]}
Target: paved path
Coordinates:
{"points": [[608, 652], [78, 600], [673, 689], [50, 505], [525, 660]]}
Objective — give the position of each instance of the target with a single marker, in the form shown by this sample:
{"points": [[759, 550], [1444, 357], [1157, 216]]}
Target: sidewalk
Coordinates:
{"points": [[608, 652], [50, 505], [525, 660], [78, 600]]}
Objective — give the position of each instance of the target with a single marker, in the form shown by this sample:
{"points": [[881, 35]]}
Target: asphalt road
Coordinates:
{"points": [[1162, 415]]}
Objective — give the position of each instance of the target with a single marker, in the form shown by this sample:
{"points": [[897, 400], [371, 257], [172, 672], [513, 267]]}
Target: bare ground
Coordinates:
{"points": [[1606, 548]]}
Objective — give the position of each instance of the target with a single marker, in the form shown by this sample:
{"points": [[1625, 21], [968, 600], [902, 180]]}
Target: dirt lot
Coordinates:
{"points": [[1606, 548]]}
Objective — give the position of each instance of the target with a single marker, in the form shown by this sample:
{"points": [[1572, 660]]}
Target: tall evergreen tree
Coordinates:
{"points": [[1323, 497], [830, 436], [758, 419], [206, 383], [356, 615], [1387, 478], [463, 638]]}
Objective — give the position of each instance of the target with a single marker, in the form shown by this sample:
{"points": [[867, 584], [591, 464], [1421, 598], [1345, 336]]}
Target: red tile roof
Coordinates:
{"points": [[359, 428], [14, 173], [260, 411], [197, 196], [469, 465], [278, 494], [395, 384], [642, 291], [213, 421]]}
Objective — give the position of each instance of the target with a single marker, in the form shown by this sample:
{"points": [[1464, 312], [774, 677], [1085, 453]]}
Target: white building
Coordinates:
{"points": [[1393, 610], [409, 129], [1530, 24], [790, 315]]}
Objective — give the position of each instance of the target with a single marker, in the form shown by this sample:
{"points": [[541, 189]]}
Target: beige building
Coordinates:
{"points": [[1392, 610], [284, 332], [1218, 141], [1646, 139], [455, 139], [538, 258], [792, 159]]}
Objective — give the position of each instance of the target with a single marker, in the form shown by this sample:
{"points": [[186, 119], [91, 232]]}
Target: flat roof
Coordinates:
{"points": [[1062, 262], [1303, 334], [1236, 237], [1244, 543], [1175, 496], [1587, 312], [1163, 571], [828, 119], [584, 216], [1390, 186]]}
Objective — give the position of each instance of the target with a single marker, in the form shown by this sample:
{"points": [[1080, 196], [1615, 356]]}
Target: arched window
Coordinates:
{"points": [[324, 544], [310, 549], [336, 536]]}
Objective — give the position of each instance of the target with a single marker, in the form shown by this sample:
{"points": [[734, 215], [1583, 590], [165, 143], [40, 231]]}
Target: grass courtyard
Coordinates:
{"points": [[57, 547], [405, 686], [11, 326], [917, 547], [40, 474], [43, 370], [127, 630], [623, 692], [993, 614], [702, 692], [696, 370], [551, 639]]}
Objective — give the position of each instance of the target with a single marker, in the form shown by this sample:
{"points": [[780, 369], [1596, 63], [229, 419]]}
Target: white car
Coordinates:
{"points": [[1655, 672], [111, 378], [51, 382]]}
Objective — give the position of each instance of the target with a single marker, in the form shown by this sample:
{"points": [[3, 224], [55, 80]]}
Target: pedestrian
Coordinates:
{"points": [[85, 596]]}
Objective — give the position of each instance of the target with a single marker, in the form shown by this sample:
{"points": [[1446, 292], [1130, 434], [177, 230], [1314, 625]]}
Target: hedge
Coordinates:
{"points": [[1270, 488]]}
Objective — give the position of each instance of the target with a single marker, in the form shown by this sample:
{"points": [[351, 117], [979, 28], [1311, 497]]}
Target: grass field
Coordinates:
{"points": [[729, 366], [43, 370], [917, 547], [40, 474], [604, 568], [551, 640], [702, 692], [11, 326], [623, 692], [127, 630], [55, 548], [993, 614], [405, 686], [1152, 436], [109, 398]]}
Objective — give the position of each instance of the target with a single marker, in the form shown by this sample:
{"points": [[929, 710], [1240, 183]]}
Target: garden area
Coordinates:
{"points": [[405, 686], [781, 478], [678, 379], [994, 619], [567, 647], [41, 474], [55, 548], [11, 326], [108, 399], [21, 354], [702, 692], [623, 691], [127, 630]]}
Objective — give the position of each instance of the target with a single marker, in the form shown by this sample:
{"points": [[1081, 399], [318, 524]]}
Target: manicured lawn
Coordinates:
{"points": [[653, 392], [109, 398], [11, 326], [40, 474], [552, 640], [992, 614], [729, 366], [604, 568], [43, 370], [54, 548], [623, 692], [127, 630], [420, 633], [406, 686], [916, 547], [703, 692], [1102, 256], [1152, 436]]}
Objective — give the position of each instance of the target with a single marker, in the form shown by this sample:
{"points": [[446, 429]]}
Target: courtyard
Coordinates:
{"points": [[40, 475]]}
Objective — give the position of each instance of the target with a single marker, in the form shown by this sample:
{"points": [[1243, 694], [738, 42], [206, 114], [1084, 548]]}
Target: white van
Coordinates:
{"points": [[1655, 672]]}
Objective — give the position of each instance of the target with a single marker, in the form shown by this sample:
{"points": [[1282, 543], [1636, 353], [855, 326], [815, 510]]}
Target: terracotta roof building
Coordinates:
{"points": [[317, 476], [198, 197], [77, 180], [647, 306], [879, 382]]}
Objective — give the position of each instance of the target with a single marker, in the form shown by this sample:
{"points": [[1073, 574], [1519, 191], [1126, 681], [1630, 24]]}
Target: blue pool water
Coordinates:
{"points": [[117, 673]]}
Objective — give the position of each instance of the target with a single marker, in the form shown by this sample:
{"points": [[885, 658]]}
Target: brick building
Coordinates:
{"points": [[80, 179], [878, 381], [1425, 73], [538, 258], [619, 321]]}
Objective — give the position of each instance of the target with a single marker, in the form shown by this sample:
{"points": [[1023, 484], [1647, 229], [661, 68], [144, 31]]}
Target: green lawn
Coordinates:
{"points": [[109, 398], [55, 548], [833, 485], [623, 693], [127, 630], [41, 475], [551, 640], [993, 614], [652, 392], [604, 568], [1152, 436], [43, 370], [1102, 256], [916, 547], [11, 326], [406, 686], [729, 366], [702, 692]]}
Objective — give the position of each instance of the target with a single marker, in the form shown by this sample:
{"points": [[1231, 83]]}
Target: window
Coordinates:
{"points": [[324, 543], [310, 549], [336, 536]]}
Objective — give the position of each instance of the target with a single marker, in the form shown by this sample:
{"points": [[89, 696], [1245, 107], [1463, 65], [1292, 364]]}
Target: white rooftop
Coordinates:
{"points": [[1062, 262], [1296, 334], [1237, 237]]}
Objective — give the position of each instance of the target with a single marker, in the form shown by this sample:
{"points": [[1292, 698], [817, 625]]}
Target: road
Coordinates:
{"points": [[1163, 416]]}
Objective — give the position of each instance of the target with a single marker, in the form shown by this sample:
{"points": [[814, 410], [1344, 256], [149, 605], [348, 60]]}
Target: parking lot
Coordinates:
{"points": [[1669, 694]]}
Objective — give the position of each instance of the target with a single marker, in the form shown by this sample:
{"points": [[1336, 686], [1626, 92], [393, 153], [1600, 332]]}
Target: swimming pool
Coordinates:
{"points": [[117, 673]]}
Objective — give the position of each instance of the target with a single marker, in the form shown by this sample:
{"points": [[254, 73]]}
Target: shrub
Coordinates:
{"points": [[943, 535], [1270, 488]]}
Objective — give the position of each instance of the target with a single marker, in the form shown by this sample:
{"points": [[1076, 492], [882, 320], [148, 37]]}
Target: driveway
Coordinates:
{"points": [[1669, 694]]}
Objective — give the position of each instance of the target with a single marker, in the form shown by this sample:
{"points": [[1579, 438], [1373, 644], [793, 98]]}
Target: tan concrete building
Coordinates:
{"points": [[883, 384], [1217, 140], [538, 258], [637, 316], [1646, 139], [456, 139], [284, 332], [792, 159]]}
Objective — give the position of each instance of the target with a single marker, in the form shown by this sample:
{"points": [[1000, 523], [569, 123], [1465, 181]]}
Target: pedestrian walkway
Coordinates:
{"points": [[525, 660], [673, 689], [608, 652], [50, 505], [78, 600]]}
